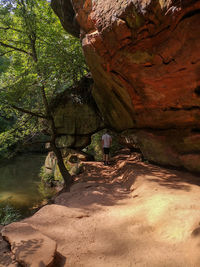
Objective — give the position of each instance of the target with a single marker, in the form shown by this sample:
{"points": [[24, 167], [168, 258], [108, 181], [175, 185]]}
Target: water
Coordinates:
{"points": [[20, 184]]}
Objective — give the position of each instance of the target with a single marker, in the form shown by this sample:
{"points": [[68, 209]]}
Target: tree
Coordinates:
{"points": [[43, 60]]}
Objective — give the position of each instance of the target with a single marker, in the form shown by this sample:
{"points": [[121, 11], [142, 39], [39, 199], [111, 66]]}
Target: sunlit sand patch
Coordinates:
{"points": [[157, 207], [165, 214], [160, 214]]}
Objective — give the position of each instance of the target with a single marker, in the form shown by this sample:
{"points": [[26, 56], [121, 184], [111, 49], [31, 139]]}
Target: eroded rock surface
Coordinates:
{"points": [[6, 257], [145, 61], [29, 246], [127, 214], [76, 116]]}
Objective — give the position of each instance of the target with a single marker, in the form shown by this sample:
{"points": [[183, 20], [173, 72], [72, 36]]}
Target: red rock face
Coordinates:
{"points": [[144, 57], [150, 56]]}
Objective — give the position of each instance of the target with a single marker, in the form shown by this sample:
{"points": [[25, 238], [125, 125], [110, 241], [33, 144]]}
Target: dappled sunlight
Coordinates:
{"points": [[156, 208], [128, 210], [101, 185], [173, 179], [29, 246]]}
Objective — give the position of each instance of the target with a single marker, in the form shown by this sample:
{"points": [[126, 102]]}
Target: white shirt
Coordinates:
{"points": [[106, 140]]}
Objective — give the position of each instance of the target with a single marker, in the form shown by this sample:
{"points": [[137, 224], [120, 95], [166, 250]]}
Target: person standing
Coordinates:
{"points": [[106, 144]]}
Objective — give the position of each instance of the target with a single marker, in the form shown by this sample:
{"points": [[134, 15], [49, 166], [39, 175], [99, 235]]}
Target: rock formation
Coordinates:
{"points": [[30, 247], [73, 160], [144, 57], [115, 216], [76, 116]]}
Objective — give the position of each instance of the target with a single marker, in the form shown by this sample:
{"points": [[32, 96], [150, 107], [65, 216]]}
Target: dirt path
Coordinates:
{"points": [[127, 214]]}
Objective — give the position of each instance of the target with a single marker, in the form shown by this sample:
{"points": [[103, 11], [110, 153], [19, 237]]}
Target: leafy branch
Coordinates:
{"points": [[9, 28], [15, 48], [29, 112], [7, 52]]}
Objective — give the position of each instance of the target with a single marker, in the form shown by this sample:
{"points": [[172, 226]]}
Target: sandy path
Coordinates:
{"points": [[128, 214]]}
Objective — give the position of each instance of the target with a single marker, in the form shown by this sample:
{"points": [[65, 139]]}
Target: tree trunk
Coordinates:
{"points": [[49, 117], [64, 172], [31, 33]]}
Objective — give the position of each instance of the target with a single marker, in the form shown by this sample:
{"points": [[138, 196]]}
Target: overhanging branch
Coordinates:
{"points": [[7, 52], [29, 112], [15, 48], [9, 28]]}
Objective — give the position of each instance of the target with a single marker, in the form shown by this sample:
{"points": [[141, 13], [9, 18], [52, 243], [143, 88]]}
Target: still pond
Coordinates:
{"points": [[20, 184]]}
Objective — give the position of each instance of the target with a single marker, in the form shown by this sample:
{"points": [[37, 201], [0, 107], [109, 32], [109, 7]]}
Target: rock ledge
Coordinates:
{"points": [[30, 247]]}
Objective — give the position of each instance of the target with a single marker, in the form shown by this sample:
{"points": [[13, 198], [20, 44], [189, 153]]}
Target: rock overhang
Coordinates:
{"points": [[145, 61]]}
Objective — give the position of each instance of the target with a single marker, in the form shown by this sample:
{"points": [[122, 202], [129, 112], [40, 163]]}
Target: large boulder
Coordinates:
{"points": [[144, 57], [170, 147], [76, 116]]}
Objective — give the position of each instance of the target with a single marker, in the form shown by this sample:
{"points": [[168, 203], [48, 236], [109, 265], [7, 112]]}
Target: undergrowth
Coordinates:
{"points": [[8, 213]]}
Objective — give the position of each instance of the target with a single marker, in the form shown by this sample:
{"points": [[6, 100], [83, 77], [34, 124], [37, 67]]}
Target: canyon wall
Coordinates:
{"points": [[144, 57]]}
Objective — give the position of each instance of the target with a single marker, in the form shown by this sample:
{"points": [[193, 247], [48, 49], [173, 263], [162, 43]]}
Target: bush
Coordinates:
{"points": [[47, 178], [45, 191], [8, 213]]}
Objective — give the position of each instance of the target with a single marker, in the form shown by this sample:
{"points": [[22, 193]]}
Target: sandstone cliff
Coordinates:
{"points": [[144, 57]]}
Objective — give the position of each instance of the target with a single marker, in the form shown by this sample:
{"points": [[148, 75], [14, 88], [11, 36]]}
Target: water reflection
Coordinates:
{"points": [[20, 182]]}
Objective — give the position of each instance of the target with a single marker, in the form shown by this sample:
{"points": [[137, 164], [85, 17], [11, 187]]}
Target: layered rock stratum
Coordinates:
{"points": [[144, 57]]}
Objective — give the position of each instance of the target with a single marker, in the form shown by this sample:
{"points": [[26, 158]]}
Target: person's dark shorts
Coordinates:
{"points": [[106, 150]]}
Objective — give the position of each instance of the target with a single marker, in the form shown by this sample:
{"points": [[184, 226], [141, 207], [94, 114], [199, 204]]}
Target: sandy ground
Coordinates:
{"points": [[128, 214]]}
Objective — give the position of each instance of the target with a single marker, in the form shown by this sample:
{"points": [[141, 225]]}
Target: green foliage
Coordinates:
{"points": [[95, 148], [37, 43], [4, 63], [45, 191], [35, 51], [8, 213], [4, 124], [15, 135], [74, 168], [46, 178]]}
